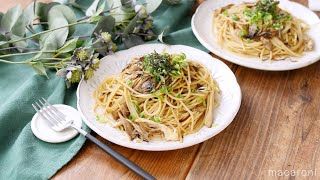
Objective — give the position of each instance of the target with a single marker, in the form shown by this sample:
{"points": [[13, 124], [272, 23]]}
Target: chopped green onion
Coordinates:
{"points": [[155, 119], [142, 115], [248, 40], [225, 13], [215, 125], [277, 26], [243, 33], [101, 119], [235, 18], [164, 89], [204, 102], [129, 82], [131, 117]]}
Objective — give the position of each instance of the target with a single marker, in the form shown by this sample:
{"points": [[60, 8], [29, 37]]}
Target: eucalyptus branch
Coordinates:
{"points": [[12, 62], [43, 32], [106, 11], [58, 59], [140, 34], [78, 37], [41, 23], [9, 48], [27, 53], [30, 29]]}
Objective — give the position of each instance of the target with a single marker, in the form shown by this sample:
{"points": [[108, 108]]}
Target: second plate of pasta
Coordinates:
{"points": [[261, 34]]}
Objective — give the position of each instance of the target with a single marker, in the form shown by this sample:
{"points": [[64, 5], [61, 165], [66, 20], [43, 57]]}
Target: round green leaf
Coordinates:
{"points": [[59, 12], [69, 46], [19, 44], [132, 40], [39, 68], [42, 10], [19, 27], [28, 13], [105, 24], [129, 29], [9, 18], [93, 8], [152, 5]]}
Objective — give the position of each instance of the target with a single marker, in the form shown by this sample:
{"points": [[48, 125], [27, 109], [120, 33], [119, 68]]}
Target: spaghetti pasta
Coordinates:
{"points": [[158, 97], [261, 30]]}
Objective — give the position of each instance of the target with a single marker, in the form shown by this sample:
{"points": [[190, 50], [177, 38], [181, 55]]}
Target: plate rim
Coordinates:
{"points": [[241, 63], [159, 148]]}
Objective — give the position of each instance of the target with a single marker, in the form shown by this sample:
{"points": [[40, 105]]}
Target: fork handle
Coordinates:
{"points": [[126, 162]]}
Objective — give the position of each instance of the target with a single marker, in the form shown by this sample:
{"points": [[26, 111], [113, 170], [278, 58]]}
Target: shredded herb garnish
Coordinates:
{"points": [[161, 66], [129, 82], [101, 119], [265, 11], [131, 117], [155, 118]]}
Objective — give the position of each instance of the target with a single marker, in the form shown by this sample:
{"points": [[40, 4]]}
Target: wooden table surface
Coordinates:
{"points": [[277, 128]]}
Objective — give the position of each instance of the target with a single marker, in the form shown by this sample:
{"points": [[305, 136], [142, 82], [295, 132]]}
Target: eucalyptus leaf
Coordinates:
{"points": [[152, 5], [39, 55], [58, 37], [20, 44], [132, 40], [84, 43], [94, 19], [105, 24], [119, 14], [19, 27], [1, 15], [129, 29], [69, 46], [28, 13], [93, 8], [64, 1], [42, 10], [80, 4], [173, 2], [39, 68], [55, 39], [96, 16], [127, 5], [3, 40], [9, 18], [160, 36], [59, 12]]}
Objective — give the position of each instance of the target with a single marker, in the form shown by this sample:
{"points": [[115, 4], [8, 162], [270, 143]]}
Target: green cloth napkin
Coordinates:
{"points": [[22, 155]]}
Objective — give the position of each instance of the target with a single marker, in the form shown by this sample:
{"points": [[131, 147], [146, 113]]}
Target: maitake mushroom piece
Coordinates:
{"points": [[170, 134]]}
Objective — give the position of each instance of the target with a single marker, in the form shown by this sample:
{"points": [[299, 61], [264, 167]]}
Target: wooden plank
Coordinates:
{"points": [[277, 128], [93, 162]]}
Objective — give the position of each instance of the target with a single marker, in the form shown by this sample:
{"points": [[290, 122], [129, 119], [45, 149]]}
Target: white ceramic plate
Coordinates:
{"points": [[230, 97], [203, 29]]}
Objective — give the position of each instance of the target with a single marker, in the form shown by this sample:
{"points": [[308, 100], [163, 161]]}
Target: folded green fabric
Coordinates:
{"points": [[22, 155]]}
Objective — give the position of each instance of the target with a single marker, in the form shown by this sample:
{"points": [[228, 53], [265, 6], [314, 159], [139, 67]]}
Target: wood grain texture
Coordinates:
{"points": [[277, 128], [93, 162]]}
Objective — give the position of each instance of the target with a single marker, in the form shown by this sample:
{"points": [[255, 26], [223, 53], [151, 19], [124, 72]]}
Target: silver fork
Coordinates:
{"points": [[60, 122]]}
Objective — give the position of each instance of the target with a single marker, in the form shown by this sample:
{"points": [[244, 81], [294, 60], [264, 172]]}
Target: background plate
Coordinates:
{"points": [[230, 97], [202, 28]]}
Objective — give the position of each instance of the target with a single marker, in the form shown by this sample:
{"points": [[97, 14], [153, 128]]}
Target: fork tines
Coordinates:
{"points": [[49, 112]]}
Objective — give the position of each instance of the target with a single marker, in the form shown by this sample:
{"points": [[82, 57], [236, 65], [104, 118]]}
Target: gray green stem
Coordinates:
{"points": [[27, 53], [43, 32]]}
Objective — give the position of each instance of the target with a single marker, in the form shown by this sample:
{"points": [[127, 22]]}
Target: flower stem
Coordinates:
{"points": [[106, 11], [27, 53], [9, 48], [78, 37], [43, 32], [11, 62]]}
